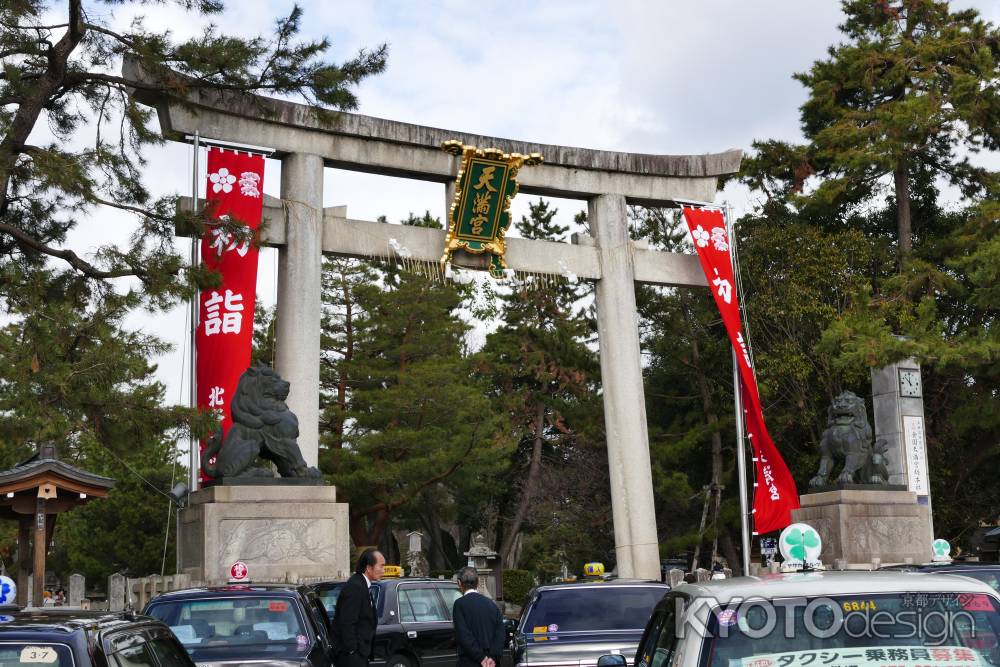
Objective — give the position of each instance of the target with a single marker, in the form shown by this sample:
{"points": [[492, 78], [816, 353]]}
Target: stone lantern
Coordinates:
{"points": [[480, 557]]}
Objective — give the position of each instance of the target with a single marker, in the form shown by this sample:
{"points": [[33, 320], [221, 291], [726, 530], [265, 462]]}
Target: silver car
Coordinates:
{"points": [[574, 624], [823, 619]]}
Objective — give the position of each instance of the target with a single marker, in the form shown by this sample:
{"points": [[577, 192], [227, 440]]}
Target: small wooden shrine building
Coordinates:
{"points": [[34, 493]]}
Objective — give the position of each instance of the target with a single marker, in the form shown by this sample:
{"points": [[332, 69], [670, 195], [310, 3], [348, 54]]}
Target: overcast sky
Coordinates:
{"points": [[671, 76]]}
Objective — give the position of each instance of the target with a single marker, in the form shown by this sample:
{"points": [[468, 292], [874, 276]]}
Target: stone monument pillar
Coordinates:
{"points": [[76, 586], [897, 394], [416, 562]]}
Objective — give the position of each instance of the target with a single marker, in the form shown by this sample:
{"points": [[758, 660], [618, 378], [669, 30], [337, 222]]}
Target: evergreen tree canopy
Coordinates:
{"points": [[913, 92], [63, 77]]}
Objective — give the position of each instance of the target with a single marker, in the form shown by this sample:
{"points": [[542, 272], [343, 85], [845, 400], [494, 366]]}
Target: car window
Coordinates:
{"points": [[988, 576], [169, 653], [329, 597], [421, 605], [645, 652], [29, 654], [666, 642], [240, 620], [570, 609], [449, 594], [136, 655]]}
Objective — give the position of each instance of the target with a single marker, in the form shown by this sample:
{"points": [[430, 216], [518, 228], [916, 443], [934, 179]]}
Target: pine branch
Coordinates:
{"points": [[27, 241]]}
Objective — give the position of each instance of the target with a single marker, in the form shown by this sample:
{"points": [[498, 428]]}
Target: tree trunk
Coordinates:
{"points": [[904, 227], [343, 381], [366, 529], [714, 492], [701, 529], [527, 491], [732, 555]]}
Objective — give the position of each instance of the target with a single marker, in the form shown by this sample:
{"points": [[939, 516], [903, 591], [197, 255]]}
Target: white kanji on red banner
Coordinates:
{"points": [[719, 240], [723, 288], [224, 240], [249, 182], [223, 314], [215, 399]]}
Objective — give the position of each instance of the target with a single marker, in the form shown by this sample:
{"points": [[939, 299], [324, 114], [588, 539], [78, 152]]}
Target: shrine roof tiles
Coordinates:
{"points": [[38, 468]]}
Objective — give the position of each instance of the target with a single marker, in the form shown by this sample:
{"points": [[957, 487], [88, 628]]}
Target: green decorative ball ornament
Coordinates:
{"points": [[800, 543], [941, 549]]}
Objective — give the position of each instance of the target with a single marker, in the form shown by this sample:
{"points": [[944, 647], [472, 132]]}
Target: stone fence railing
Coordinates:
{"points": [[136, 592]]}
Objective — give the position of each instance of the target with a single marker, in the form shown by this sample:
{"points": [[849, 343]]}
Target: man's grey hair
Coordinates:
{"points": [[468, 578]]}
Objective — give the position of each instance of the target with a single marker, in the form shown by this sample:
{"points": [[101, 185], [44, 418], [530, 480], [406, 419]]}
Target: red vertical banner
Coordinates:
{"points": [[775, 495], [224, 338]]}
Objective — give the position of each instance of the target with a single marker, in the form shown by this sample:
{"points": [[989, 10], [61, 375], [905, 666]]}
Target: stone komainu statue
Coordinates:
{"points": [[262, 426], [848, 436]]}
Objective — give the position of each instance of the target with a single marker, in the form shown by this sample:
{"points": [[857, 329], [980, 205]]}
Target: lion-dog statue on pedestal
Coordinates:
{"points": [[262, 426], [848, 436]]}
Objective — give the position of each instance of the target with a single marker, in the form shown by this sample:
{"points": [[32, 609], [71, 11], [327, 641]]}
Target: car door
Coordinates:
{"points": [[427, 624], [449, 593]]}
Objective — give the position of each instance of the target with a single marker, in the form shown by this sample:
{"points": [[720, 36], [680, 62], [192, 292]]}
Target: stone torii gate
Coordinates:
{"points": [[303, 231]]}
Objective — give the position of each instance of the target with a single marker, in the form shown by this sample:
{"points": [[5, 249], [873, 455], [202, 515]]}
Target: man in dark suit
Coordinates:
{"points": [[478, 624], [354, 617]]}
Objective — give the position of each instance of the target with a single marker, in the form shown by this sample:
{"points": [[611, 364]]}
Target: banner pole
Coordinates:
{"points": [[741, 469], [193, 453], [741, 457]]}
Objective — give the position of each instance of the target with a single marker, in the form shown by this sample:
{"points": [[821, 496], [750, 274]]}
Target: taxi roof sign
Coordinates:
{"points": [[239, 573], [800, 546], [393, 571], [594, 569], [941, 550]]}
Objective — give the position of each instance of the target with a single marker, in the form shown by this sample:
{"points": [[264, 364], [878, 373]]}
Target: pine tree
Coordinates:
{"points": [[413, 414], [65, 77], [72, 143], [909, 96], [542, 369], [912, 96]]}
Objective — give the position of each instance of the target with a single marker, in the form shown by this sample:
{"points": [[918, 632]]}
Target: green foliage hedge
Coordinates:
{"points": [[516, 584]]}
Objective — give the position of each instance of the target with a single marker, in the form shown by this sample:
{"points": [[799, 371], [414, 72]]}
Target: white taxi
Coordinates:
{"points": [[823, 619]]}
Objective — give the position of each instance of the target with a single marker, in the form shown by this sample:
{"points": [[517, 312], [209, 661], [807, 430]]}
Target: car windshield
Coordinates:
{"points": [[229, 621], [903, 630], [33, 654], [605, 607]]}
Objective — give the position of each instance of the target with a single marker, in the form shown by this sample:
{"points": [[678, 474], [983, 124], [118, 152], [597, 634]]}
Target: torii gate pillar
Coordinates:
{"points": [[636, 547], [299, 307]]}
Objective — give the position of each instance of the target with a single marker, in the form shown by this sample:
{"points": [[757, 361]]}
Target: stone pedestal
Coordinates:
{"points": [[282, 533], [859, 525]]}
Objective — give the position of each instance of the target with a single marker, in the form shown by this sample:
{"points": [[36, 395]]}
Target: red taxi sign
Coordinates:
{"points": [[239, 571]]}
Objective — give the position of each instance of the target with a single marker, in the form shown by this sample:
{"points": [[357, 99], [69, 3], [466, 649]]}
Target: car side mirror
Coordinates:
{"points": [[612, 660]]}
